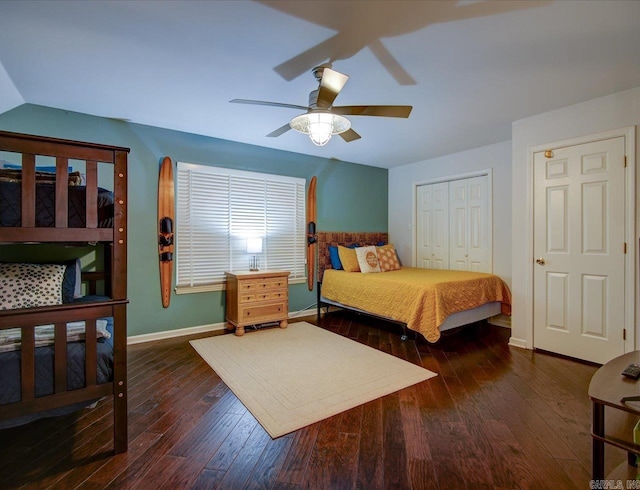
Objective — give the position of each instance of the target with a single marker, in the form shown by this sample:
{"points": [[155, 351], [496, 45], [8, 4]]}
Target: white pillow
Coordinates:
{"points": [[30, 285], [368, 259]]}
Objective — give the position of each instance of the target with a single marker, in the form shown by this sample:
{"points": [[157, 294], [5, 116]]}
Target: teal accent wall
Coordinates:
{"points": [[351, 197]]}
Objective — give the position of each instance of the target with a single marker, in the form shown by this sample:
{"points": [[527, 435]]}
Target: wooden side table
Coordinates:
{"points": [[256, 297], [607, 389]]}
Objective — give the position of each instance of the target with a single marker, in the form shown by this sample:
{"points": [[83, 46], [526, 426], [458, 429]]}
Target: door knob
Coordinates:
{"points": [[540, 261]]}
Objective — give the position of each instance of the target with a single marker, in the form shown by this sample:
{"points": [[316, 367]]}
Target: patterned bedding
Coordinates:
{"points": [[420, 298], [11, 205]]}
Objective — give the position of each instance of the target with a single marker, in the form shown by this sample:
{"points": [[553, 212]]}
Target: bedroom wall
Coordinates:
{"points": [[350, 197], [401, 200], [614, 111]]}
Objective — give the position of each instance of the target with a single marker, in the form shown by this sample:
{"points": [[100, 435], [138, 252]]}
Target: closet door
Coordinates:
{"points": [[433, 226], [469, 227]]}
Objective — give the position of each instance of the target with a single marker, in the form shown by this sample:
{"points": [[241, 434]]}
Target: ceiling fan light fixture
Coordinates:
{"points": [[320, 125]]}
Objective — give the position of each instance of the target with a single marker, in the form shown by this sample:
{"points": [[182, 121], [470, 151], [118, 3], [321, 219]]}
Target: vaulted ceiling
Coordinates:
{"points": [[468, 68]]}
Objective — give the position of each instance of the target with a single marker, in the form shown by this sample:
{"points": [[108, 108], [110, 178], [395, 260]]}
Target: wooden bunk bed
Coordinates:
{"points": [[40, 208]]}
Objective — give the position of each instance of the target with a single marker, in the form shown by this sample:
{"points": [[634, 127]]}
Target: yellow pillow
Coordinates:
{"points": [[348, 258], [388, 258]]}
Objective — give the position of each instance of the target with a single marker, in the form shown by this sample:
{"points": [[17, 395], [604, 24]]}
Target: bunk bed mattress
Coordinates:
{"points": [[11, 205], [10, 383], [420, 298]]}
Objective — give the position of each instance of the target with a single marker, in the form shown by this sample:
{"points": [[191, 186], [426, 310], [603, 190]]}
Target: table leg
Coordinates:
{"points": [[597, 467]]}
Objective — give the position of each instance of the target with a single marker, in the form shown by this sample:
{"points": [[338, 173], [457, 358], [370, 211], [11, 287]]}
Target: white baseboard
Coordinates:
{"points": [[521, 343], [499, 320], [180, 332]]}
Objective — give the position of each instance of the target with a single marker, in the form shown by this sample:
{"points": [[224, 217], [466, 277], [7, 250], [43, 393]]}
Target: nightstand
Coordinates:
{"points": [[257, 297]]}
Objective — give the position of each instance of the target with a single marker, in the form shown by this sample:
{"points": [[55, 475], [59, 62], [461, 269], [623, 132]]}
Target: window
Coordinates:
{"points": [[218, 209]]}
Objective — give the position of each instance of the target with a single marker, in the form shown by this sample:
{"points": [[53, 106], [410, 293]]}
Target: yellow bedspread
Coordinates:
{"points": [[421, 298]]}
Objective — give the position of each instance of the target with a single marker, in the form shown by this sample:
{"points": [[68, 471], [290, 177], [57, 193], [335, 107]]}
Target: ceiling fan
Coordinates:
{"points": [[322, 119]]}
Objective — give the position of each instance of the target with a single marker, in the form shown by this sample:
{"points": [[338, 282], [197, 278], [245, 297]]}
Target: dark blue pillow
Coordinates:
{"points": [[380, 244], [69, 281], [335, 258]]}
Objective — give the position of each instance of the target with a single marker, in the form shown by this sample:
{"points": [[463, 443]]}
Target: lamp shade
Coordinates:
{"points": [[254, 245], [320, 125]]}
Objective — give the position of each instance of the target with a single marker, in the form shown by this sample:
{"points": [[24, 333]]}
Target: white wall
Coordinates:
{"points": [[401, 200], [598, 115]]}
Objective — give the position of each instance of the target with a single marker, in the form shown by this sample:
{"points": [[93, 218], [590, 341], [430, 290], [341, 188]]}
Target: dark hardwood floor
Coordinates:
{"points": [[495, 417]]}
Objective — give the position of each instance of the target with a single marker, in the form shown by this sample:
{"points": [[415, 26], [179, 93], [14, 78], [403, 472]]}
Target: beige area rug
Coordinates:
{"points": [[290, 378]]}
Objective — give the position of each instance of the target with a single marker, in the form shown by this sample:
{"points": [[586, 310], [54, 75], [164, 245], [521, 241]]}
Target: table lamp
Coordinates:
{"points": [[254, 246]]}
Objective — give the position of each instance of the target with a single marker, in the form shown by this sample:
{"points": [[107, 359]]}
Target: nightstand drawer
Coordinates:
{"points": [[262, 313], [278, 284], [246, 286], [262, 296], [262, 285]]}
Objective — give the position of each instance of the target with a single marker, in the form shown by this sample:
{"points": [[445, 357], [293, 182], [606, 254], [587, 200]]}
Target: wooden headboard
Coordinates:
{"points": [[344, 238]]}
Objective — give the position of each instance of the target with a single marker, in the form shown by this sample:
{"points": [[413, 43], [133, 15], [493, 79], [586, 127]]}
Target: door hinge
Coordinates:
{"points": [[625, 161], [624, 334], [625, 247]]}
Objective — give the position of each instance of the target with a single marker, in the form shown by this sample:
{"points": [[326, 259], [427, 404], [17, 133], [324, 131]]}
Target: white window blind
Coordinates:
{"points": [[218, 209]]}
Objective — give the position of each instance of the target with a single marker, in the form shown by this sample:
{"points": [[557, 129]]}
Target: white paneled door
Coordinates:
{"points": [[579, 247], [433, 226], [469, 248]]}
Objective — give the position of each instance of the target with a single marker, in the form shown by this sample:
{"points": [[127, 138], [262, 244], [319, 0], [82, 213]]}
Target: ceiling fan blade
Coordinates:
{"points": [[350, 135], [330, 85], [272, 104], [281, 130], [373, 110]]}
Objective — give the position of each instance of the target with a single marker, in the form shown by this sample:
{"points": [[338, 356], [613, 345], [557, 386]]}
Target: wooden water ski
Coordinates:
{"points": [[166, 218], [311, 232]]}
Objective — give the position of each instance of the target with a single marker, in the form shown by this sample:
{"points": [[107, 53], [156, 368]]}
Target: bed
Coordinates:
{"points": [[62, 331], [425, 301]]}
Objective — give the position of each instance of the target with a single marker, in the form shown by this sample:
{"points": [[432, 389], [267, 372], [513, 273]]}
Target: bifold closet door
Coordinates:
{"points": [[432, 231], [469, 224]]}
